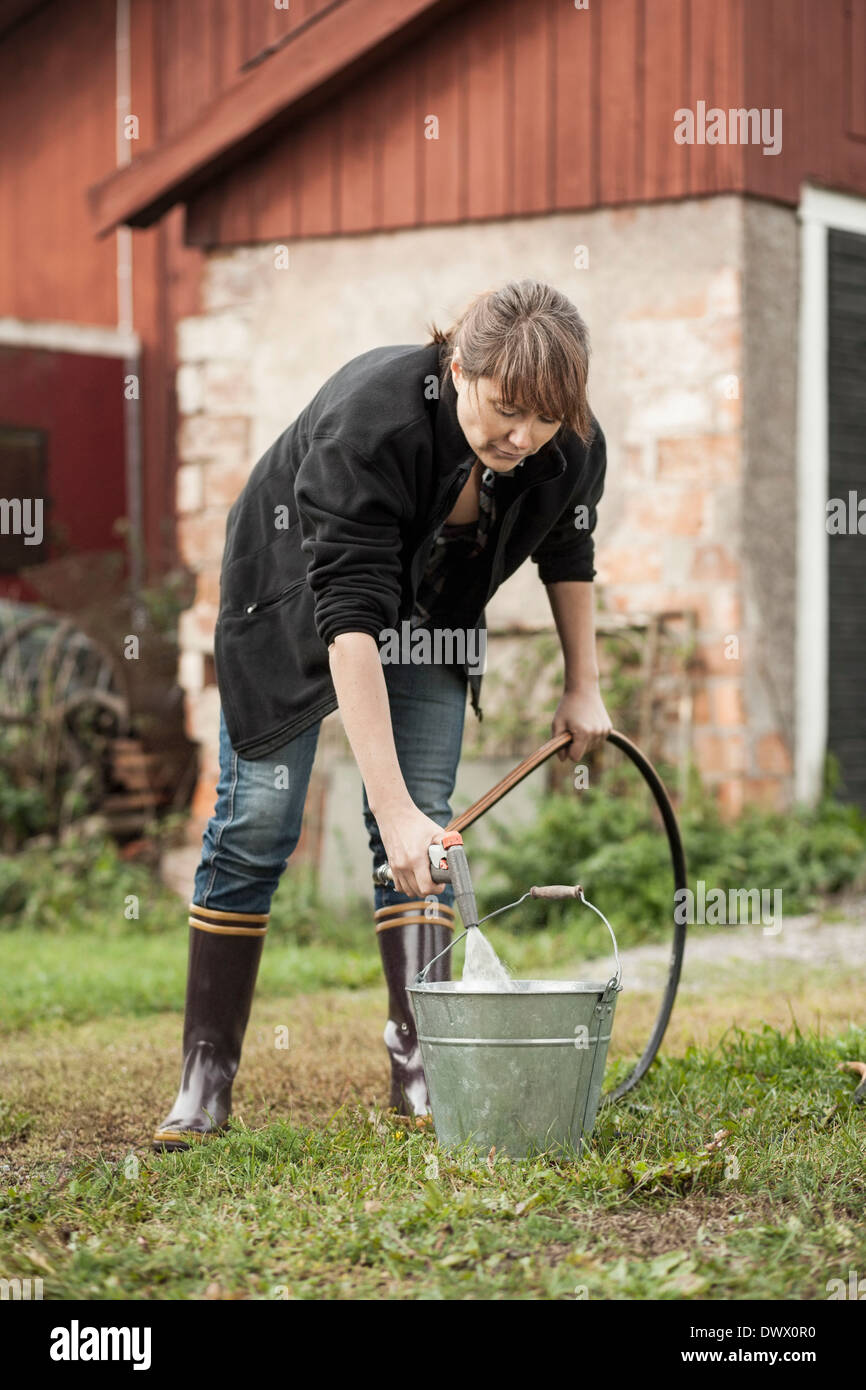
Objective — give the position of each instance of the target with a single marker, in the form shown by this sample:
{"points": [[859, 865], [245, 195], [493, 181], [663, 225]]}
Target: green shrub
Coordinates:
{"points": [[80, 884], [84, 884], [39, 791], [612, 841]]}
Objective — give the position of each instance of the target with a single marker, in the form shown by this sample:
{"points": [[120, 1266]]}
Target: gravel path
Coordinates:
{"points": [[806, 940]]}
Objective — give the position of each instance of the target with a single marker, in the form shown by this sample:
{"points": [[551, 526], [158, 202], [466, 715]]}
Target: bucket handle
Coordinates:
{"points": [[550, 891], [557, 891]]}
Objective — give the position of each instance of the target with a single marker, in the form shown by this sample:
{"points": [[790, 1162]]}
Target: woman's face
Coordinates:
{"points": [[501, 437]]}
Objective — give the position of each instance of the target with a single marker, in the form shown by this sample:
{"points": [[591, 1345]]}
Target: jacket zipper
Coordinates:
{"points": [[504, 533], [448, 504], [264, 603], [454, 492]]}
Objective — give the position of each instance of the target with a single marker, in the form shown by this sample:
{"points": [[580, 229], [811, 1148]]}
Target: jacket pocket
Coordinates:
{"points": [[272, 600], [272, 669]]}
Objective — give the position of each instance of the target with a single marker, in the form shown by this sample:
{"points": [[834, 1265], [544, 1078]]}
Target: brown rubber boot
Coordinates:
{"points": [[410, 934], [224, 953]]}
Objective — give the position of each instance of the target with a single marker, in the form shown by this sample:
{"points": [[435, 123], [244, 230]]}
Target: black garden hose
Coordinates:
{"points": [[678, 864]]}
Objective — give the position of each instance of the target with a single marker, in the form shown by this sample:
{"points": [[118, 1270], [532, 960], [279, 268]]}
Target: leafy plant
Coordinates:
{"points": [[611, 841]]}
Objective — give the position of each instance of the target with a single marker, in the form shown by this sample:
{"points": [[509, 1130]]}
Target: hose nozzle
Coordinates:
{"points": [[448, 864]]}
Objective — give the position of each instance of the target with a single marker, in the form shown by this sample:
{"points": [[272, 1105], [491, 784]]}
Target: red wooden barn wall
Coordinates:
{"points": [[809, 59], [205, 44], [57, 116], [541, 107], [57, 123], [78, 401], [184, 53], [545, 107]]}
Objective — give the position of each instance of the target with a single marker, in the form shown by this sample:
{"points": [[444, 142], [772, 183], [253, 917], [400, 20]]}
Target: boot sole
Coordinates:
{"points": [[178, 1140]]}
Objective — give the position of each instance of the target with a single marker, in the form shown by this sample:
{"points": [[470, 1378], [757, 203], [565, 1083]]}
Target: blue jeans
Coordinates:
{"points": [[256, 822]]}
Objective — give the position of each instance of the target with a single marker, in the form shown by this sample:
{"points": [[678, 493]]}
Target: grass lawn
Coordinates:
{"points": [[318, 1193]]}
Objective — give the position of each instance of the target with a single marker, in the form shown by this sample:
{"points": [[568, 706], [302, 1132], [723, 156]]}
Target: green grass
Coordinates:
{"points": [[348, 1202], [365, 1206], [75, 978], [87, 974], [85, 935], [94, 972]]}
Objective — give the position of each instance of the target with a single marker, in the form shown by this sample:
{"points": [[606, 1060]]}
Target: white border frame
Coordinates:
{"points": [[90, 339], [819, 210]]}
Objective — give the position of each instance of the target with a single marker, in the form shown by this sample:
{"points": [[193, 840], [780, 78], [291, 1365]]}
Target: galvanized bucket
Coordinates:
{"points": [[520, 1069]]}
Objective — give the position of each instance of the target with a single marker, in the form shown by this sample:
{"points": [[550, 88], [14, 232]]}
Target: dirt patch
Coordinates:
{"points": [[101, 1088], [643, 1232]]}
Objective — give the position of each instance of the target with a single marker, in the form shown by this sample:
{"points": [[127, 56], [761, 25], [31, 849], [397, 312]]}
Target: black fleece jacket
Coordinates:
{"points": [[334, 527]]}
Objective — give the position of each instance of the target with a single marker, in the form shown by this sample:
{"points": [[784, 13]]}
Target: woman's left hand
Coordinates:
{"points": [[583, 714]]}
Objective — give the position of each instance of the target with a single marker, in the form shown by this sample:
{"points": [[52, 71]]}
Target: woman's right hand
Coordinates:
{"points": [[406, 835]]}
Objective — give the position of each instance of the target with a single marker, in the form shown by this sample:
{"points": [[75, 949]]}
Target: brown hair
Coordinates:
{"points": [[532, 341]]}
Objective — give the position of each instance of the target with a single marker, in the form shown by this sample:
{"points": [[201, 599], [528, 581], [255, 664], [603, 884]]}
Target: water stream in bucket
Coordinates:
{"points": [[482, 968]]}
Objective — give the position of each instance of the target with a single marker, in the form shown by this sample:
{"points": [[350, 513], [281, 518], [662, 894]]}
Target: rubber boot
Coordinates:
{"points": [[410, 934], [224, 953]]}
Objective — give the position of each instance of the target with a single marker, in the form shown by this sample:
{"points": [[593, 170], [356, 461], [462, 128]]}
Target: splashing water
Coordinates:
{"points": [[482, 968]]}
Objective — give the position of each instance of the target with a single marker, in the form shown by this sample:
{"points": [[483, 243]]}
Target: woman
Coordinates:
{"points": [[414, 482]]}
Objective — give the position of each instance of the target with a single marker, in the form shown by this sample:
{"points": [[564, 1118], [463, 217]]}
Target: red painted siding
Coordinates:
{"points": [[543, 107], [57, 119], [78, 401], [205, 44]]}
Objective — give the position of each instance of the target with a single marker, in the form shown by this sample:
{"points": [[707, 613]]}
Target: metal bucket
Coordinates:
{"points": [[520, 1069]]}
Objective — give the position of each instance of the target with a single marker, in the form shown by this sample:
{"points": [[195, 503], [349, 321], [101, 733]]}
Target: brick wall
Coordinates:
{"points": [[677, 541]]}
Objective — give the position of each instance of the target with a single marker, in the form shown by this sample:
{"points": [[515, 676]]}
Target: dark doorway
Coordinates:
{"points": [[847, 481]]}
